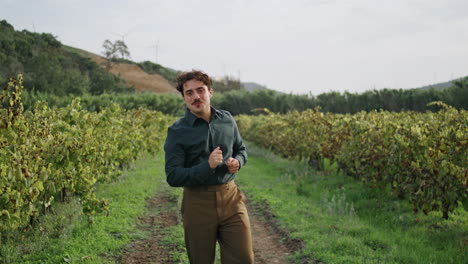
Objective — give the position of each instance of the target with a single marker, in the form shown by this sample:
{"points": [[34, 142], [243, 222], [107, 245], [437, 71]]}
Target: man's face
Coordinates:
{"points": [[197, 97]]}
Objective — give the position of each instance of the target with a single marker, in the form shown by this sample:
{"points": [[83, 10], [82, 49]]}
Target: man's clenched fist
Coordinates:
{"points": [[233, 165], [215, 158]]}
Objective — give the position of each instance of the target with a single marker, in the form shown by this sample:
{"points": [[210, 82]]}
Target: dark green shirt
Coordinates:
{"points": [[190, 142]]}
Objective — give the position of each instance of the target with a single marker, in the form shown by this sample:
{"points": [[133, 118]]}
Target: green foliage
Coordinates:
{"points": [[245, 102], [170, 104], [49, 67], [386, 99], [66, 233], [458, 94], [249, 102], [48, 154], [337, 220], [420, 156], [114, 50], [167, 73], [226, 84], [395, 100]]}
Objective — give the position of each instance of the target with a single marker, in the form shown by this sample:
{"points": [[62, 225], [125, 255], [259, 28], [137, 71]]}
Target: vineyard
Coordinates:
{"points": [[49, 154], [422, 157]]}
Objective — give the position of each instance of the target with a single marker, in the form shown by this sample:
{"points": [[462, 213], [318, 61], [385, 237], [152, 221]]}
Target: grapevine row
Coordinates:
{"points": [[420, 156], [50, 154]]}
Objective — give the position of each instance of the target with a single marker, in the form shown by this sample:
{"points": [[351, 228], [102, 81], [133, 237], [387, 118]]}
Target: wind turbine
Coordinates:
{"points": [[156, 47], [126, 34], [121, 35]]}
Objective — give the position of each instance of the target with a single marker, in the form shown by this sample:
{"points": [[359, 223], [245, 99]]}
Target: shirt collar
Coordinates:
{"points": [[191, 118]]}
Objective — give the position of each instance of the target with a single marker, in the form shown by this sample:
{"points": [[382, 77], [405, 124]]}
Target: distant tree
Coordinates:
{"points": [[332, 102], [114, 50], [458, 93]]}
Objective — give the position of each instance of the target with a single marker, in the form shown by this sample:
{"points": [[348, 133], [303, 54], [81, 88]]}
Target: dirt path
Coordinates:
{"points": [[267, 238], [159, 217]]}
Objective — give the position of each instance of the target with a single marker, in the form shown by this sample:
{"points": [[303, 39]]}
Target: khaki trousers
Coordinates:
{"points": [[216, 213]]}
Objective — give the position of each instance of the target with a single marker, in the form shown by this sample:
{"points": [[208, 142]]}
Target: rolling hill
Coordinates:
{"points": [[135, 76]]}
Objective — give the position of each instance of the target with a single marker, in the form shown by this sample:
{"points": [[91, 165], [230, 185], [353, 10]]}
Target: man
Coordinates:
{"points": [[204, 151]]}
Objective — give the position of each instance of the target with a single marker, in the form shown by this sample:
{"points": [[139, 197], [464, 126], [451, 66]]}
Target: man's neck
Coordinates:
{"points": [[206, 115]]}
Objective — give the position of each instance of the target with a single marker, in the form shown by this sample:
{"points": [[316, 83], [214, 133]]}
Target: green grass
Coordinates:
{"points": [[342, 221], [66, 236]]}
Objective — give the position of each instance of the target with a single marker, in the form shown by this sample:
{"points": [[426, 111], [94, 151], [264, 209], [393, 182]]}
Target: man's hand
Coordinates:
{"points": [[215, 158], [233, 165]]}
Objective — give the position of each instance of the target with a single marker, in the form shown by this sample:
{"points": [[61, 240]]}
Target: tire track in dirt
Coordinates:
{"points": [[272, 244], [266, 243], [159, 217]]}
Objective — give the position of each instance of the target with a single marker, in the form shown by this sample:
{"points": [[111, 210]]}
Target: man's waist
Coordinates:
{"points": [[212, 188]]}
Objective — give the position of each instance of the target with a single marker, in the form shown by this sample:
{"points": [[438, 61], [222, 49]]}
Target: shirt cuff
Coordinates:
{"points": [[241, 160]]}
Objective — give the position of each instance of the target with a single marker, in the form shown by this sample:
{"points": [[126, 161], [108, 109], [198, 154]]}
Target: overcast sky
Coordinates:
{"points": [[294, 46]]}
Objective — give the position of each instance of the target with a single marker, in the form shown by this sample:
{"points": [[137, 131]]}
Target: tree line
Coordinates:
{"points": [[394, 100], [263, 101]]}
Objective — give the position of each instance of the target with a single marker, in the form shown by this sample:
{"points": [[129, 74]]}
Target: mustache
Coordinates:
{"points": [[197, 101]]}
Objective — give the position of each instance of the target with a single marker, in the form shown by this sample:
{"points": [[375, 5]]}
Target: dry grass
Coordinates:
{"points": [[135, 76]]}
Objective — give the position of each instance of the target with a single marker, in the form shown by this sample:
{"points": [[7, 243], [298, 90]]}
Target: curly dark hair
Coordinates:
{"points": [[194, 74]]}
